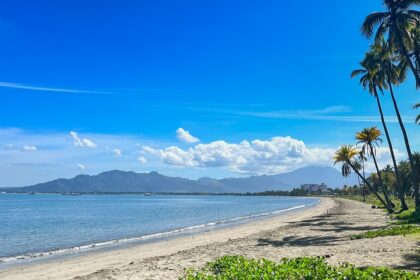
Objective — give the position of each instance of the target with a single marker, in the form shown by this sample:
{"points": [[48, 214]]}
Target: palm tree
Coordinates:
{"points": [[397, 23], [370, 139], [418, 116], [378, 69], [395, 75], [346, 155]]}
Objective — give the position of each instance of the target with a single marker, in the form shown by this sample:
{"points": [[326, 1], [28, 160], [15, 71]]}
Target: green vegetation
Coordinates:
{"points": [[238, 267], [393, 54], [411, 216], [391, 231]]}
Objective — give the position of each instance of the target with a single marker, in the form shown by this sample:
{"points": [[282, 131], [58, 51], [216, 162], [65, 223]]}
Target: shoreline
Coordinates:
{"points": [[322, 230], [127, 242], [155, 247]]}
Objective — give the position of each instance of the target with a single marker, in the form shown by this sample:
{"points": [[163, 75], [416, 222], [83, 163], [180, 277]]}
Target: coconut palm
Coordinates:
{"points": [[346, 155], [377, 70], [370, 139], [396, 24], [394, 75], [418, 116]]}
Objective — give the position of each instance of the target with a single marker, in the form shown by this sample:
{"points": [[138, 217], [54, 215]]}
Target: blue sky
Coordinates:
{"points": [[126, 75]]}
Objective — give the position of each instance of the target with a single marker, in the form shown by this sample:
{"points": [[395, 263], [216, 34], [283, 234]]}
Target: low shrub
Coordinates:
{"points": [[238, 267], [391, 231], [409, 217]]}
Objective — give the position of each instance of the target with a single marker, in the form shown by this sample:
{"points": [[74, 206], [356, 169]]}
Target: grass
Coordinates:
{"points": [[238, 267], [407, 217], [391, 231]]}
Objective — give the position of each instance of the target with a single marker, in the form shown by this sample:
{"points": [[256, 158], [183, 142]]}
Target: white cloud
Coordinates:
{"points": [[51, 89], [277, 155], [185, 136], [29, 148], [82, 143], [337, 113], [81, 167], [117, 152], [142, 160]]}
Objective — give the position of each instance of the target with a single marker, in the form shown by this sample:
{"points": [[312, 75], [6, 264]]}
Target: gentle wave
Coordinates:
{"points": [[160, 235]]}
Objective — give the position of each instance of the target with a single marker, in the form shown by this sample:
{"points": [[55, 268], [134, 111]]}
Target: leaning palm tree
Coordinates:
{"points": [[369, 138], [418, 116], [394, 75], [374, 76], [396, 23], [346, 155]]}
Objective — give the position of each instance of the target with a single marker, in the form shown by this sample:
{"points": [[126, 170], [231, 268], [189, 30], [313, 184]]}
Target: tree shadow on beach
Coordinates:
{"points": [[326, 223], [331, 222], [412, 261], [300, 241]]}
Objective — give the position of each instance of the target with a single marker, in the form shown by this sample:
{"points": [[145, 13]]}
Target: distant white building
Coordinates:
{"points": [[314, 187]]}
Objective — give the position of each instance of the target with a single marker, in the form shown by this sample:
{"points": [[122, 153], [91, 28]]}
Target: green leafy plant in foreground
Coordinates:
{"points": [[391, 231], [238, 267]]}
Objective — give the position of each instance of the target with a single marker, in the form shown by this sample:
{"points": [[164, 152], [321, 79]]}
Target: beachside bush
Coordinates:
{"points": [[238, 267], [391, 231], [408, 217]]}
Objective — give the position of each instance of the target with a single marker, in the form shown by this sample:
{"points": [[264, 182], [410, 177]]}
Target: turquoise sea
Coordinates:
{"points": [[33, 226]]}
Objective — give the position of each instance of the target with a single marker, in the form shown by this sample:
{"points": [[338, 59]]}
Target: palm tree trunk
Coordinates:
{"points": [[364, 185], [381, 182], [391, 150], [410, 155], [386, 205]]}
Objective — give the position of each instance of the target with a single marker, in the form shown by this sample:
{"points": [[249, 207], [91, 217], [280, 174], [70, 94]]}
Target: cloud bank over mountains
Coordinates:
{"points": [[50, 155], [279, 154]]}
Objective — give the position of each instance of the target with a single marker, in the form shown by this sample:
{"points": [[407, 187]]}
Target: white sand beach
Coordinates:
{"points": [[309, 232]]}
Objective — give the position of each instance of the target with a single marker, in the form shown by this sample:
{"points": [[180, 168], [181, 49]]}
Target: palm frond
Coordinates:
{"points": [[380, 32], [407, 4], [371, 21], [357, 72]]}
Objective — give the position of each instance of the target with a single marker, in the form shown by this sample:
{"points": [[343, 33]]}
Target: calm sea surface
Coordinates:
{"points": [[33, 224]]}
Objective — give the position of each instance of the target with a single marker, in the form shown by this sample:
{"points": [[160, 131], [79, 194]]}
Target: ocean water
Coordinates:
{"points": [[45, 224]]}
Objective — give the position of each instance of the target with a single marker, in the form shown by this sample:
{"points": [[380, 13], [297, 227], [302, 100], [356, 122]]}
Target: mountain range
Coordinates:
{"points": [[129, 181]]}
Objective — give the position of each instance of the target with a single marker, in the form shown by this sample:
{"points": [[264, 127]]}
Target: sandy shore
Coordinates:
{"points": [[310, 232]]}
